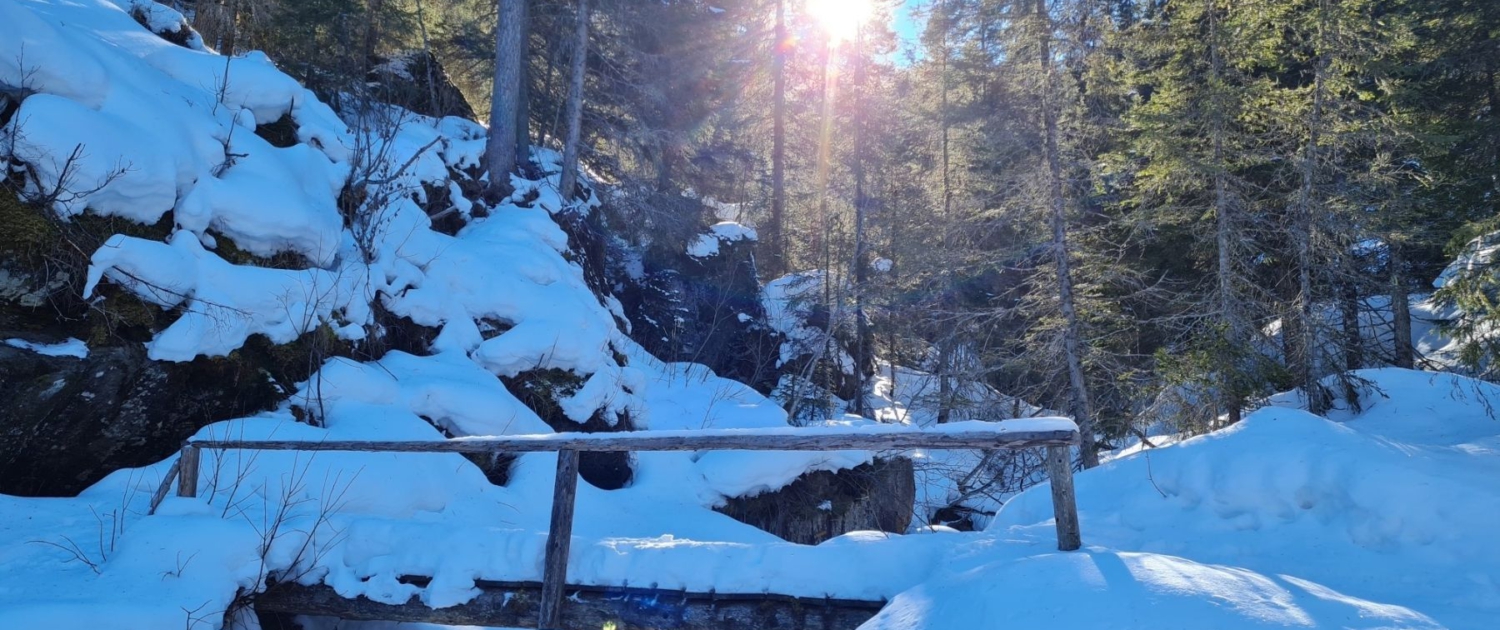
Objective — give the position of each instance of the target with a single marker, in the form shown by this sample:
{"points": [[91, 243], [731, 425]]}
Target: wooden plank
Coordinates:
{"points": [[517, 605], [725, 440], [187, 473], [166, 484], [559, 539], [1064, 505]]}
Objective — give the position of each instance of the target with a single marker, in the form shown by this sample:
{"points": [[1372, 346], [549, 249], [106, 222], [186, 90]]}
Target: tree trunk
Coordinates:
{"points": [[1302, 235], [1349, 311], [1405, 354], [499, 149], [864, 360], [523, 91], [1073, 330], [575, 103], [1231, 400], [432, 101], [778, 147], [945, 343], [371, 35]]}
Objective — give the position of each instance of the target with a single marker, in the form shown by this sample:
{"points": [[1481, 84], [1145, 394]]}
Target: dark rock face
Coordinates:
{"points": [[403, 78], [726, 328], [66, 422], [704, 310], [542, 391], [821, 505]]}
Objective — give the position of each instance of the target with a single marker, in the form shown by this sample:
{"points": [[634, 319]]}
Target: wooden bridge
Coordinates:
{"points": [[553, 604]]}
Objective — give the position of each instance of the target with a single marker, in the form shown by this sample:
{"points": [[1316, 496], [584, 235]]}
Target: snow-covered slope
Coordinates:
{"points": [[114, 120], [1370, 520], [1377, 519]]}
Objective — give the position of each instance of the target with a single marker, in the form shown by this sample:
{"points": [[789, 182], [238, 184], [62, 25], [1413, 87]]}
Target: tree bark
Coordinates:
{"points": [[1057, 198], [1302, 232], [778, 147], [1349, 311], [569, 181], [1231, 399], [523, 91], [864, 360], [499, 150], [945, 343], [1405, 353], [432, 101], [373, 9]]}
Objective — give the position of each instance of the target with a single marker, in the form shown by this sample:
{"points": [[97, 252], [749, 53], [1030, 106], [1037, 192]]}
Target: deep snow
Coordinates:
{"points": [[1375, 519]]}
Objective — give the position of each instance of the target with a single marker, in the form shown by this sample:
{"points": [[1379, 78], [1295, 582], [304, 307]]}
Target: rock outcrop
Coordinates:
{"points": [[416, 80], [821, 505], [66, 422]]}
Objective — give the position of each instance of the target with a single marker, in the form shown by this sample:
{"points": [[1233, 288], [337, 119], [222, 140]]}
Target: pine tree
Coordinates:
{"points": [[568, 182], [505, 104]]}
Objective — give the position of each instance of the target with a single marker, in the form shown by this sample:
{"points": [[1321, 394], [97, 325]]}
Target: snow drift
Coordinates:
{"points": [[1373, 519]]}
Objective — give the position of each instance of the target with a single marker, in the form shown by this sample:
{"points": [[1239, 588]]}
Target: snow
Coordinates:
{"points": [[1364, 520], [1477, 255], [831, 429], [502, 293], [903, 395], [102, 88], [706, 245], [70, 348], [1374, 518], [1106, 589], [790, 302], [223, 304]]}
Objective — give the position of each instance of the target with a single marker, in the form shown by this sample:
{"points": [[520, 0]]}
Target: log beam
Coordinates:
{"points": [[517, 605], [559, 539], [720, 440], [1064, 504], [187, 471]]}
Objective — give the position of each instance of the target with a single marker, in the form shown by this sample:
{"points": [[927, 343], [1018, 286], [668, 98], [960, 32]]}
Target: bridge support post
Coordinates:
{"points": [[1064, 504], [559, 539], [187, 471]]}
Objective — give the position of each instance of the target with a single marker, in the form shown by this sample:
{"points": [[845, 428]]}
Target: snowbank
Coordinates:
{"points": [[1369, 520], [70, 348], [705, 245]]}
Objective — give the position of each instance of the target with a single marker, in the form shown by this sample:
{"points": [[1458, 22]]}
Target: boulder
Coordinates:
{"points": [[403, 79], [821, 505], [66, 422]]}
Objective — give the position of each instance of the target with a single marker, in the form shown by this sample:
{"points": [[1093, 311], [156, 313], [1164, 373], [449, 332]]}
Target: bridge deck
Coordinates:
{"points": [[518, 604], [555, 604]]}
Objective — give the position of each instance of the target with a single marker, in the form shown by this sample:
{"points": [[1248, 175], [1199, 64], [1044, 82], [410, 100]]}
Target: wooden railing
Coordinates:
{"points": [[1056, 436]]}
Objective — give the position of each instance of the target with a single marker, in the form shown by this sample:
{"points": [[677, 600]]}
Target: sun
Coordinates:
{"points": [[841, 19]]}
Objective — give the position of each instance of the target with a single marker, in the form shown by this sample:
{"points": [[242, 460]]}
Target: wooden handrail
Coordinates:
{"points": [[1054, 434], [814, 439]]}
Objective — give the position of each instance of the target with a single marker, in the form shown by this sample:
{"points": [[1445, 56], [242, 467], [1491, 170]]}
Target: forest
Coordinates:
{"points": [[311, 312], [1135, 212]]}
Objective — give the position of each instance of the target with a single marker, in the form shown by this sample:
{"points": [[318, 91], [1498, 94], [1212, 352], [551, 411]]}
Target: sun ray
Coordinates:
{"points": [[841, 19]]}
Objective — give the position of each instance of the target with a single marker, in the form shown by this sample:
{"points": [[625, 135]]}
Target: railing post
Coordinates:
{"points": [[1064, 504], [559, 538], [187, 473], [166, 485]]}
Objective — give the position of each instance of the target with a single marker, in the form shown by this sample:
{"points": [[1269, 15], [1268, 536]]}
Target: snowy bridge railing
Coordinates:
{"points": [[1056, 435]]}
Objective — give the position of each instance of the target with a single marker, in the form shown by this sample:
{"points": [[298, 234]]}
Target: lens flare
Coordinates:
{"points": [[840, 18]]}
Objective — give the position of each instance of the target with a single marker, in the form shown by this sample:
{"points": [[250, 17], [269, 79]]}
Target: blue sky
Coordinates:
{"points": [[907, 26]]}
